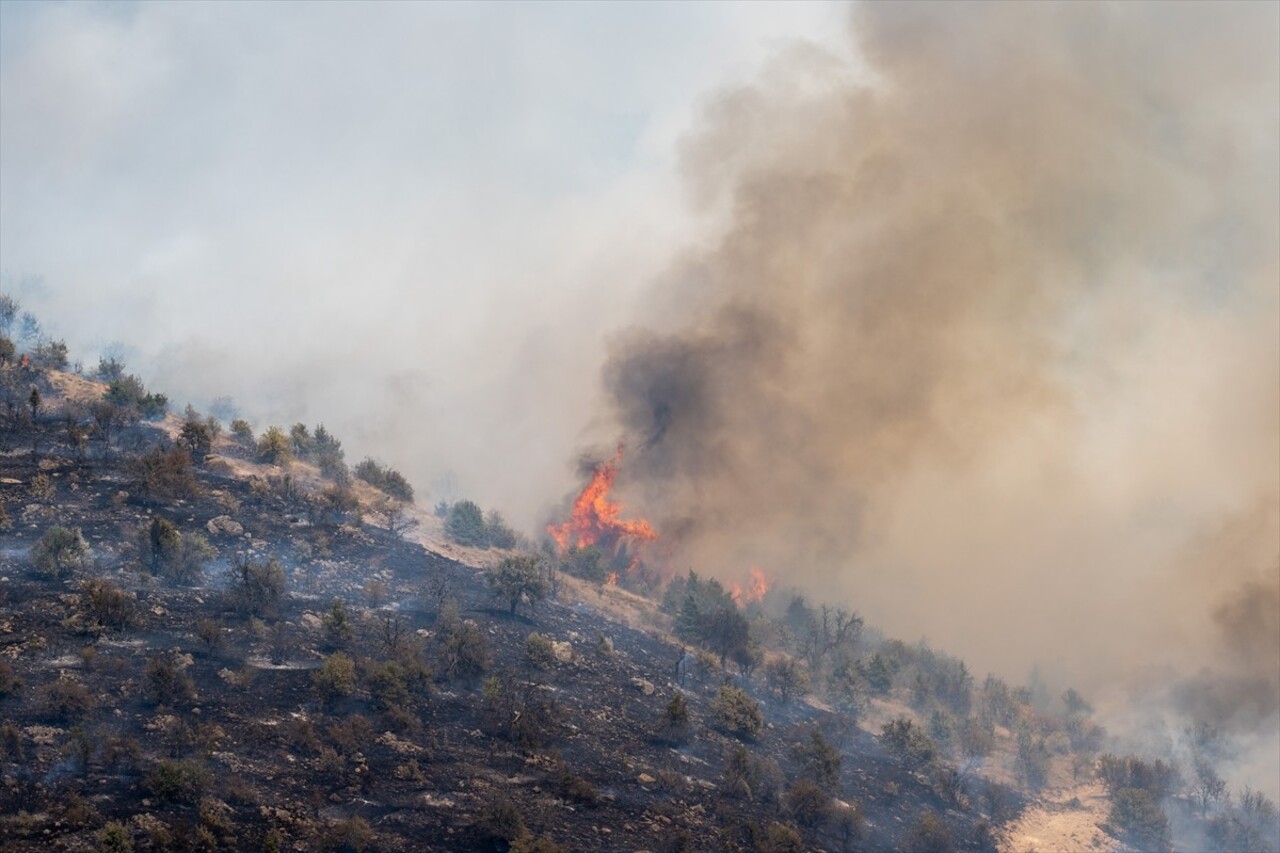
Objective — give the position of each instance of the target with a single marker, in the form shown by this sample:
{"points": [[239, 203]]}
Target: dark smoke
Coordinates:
{"points": [[988, 338]]}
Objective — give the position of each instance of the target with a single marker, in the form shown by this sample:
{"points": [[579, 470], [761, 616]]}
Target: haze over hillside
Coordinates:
{"points": [[966, 314]]}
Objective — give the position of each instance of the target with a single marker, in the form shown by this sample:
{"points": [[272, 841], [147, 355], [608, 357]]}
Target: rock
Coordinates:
{"points": [[643, 685], [645, 779], [311, 621], [224, 524]]}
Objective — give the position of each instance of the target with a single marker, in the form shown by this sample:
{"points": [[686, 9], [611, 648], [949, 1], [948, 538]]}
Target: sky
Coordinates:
{"points": [[378, 216], [965, 314]]}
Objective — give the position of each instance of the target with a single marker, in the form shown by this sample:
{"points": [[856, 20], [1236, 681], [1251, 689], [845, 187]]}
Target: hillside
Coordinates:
{"points": [[241, 654]]}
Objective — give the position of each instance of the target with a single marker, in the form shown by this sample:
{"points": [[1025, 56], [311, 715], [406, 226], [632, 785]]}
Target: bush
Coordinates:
{"points": [[258, 587], [540, 650], [174, 556], [808, 803], [586, 563], [673, 726], [462, 648], [1137, 813], [50, 355], [275, 447], [336, 677], [786, 677], [164, 475], [1033, 761], [178, 781], [518, 580], [60, 551], [465, 524], [115, 838], [906, 742], [353, 835], [65, 699], [242, 431], [166, 680], [736, 713], [498, 533], [196, 438], [929, 835], [501, 820], [106, 604], [386, 479], [128, 392], [821, 760]]}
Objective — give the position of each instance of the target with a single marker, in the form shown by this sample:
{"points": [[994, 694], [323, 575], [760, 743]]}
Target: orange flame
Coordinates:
{"points": [[612, 580], [596, 520], [755, 592]]}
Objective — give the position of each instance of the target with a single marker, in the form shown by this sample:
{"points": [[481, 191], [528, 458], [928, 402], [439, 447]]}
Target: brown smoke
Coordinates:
{"points": [[987, 337]]}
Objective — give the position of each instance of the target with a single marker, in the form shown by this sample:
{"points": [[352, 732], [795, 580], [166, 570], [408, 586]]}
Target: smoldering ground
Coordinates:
{"points": [[988, 342]]}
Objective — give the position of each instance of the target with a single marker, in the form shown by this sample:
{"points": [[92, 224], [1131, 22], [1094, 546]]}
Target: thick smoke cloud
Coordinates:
{"points": [[987, 342]]}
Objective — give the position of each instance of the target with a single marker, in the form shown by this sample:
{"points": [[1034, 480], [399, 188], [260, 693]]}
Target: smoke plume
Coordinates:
{"points": [[986, 342]]}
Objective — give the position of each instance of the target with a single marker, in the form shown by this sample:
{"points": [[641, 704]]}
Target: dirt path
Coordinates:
{"points": [[1065, 820]]}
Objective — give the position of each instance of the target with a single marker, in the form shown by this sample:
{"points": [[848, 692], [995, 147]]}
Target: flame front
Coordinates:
{"points": [[596, 520], [755, 592]]}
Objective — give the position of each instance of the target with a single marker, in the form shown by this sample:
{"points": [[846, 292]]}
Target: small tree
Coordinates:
{"points": [[107, 604], [517, 580], [906, 742], [258, 587], [465, 524], [786, 677], [336, 677], [60, 551], [167, 682], [736, 713], [197, 439], [821, 760], [275, 446]]}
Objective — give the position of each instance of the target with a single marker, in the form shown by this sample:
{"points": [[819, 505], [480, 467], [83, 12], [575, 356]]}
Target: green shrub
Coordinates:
{"points": [[500, 819], [518, 580], [178, 781], [465, 524], [128, 392], [65, 699], [1137, 813], [352, 835], [163, 475], [275, 446], [540, 650], [808, 803], [736, 713], [177, 557], [906, 742], [257, 587], [242, 431], [166, 680], [336, 677], [60, 551], [106, 604], [387, 479], [462, 648], [115, 838]]}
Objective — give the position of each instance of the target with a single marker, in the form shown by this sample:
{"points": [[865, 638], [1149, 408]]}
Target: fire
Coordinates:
{"points": [[612, 580], [596, 520], [755, 592]]}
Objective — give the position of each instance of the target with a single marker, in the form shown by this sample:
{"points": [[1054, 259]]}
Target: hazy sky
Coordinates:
{"points": [[396, 218]]}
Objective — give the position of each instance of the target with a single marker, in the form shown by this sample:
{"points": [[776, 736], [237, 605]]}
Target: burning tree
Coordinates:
{"points": [[596, 522]]}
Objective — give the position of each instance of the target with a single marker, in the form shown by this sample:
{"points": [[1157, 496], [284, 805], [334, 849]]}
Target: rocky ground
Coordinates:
{"points": [[570, 742]]}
